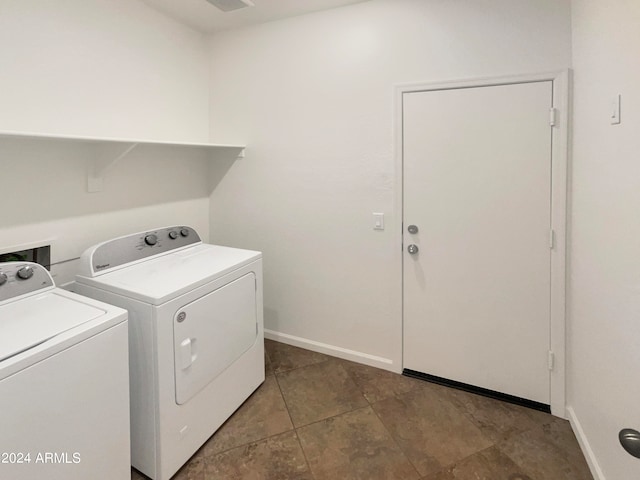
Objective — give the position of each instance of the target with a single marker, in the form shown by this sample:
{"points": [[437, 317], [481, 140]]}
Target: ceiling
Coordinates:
{"points": [[202, 16]]}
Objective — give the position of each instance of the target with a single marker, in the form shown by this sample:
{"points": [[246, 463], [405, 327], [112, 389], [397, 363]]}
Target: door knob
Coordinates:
{"points": [[630, 440], [412, 229], [412, 249]]}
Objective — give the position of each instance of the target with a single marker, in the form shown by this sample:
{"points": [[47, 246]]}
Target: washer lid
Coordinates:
{"points": [[30, 321], [162, 278]]}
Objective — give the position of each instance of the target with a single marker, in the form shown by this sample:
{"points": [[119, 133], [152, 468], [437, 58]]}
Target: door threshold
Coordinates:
{"points": [[523, 402]]}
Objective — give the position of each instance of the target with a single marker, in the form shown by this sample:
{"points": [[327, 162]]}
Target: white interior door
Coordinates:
{"points": [[477, 184]]}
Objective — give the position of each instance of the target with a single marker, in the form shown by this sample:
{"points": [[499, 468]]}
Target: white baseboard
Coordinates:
{"points": [[596, 471], [346, 354]]}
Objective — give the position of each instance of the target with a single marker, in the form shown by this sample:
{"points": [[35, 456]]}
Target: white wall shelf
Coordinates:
{"points": [[107, 152]]}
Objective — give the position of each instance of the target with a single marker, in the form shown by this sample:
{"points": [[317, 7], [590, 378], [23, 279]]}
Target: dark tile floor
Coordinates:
{"points": [[321, 418]]}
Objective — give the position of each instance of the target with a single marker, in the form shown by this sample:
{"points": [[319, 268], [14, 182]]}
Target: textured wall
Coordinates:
{"points": [[106, 68], [313, 97], [604, 329]]}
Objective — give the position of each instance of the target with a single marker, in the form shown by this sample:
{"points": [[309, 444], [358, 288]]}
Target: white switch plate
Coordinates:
{"points": [[615, 110], [378, 221]]}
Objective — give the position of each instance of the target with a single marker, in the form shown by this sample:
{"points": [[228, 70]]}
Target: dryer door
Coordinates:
{"points": [[213, 332]]}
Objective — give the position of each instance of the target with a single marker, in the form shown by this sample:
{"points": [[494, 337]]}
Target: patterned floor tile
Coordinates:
{"points": [[192, 470], [431, 431], [285, 357], [412, 428], [268, 368], [377, 384], [496, 419], [550, 451], [263, 415], [319, 391], [276, 458], [354, 446], [489, 464]]}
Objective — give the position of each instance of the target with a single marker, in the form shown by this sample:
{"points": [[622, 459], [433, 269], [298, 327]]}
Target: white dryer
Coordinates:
{"points": [[64, 381], [195, 331]]}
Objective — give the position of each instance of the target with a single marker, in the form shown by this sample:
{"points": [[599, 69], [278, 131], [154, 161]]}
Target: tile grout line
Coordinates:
{"points": [[368, 406], [301, 366], [463, 411], [332, 416], [393, 439], [260, 439], [462, 408], [295, 430], [214, 454], [371, 403]]}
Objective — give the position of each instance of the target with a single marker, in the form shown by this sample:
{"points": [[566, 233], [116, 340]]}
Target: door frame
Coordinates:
{"points": [[559, 177]]}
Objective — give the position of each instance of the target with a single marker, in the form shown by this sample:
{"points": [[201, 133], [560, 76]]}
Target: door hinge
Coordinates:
{"points": [[551, 360], [552, 116], [552, 238]]}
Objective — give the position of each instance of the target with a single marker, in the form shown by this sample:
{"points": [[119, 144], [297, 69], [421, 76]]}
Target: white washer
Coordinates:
{"points": [[195, 332], [64, 381]]}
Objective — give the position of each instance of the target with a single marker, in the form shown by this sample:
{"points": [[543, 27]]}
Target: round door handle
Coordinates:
{"points": [[412, 249], [630, 440], [413, 229]]}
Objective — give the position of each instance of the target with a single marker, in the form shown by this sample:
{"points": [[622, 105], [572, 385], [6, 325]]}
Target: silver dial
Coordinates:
{"points": [[184, 232], [173, 234], [3, 278], [151, 239], [25, 273]]}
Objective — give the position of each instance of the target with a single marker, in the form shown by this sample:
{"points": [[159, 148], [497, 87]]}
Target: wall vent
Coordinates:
{"points": [[230, 5]]}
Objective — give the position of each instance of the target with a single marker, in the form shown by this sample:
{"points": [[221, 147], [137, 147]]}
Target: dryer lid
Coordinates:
{"points": [[28, 322], [165, 277]]}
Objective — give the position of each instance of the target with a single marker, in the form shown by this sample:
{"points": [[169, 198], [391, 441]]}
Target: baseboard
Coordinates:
{"points": [[584, 445], [334, 351]]}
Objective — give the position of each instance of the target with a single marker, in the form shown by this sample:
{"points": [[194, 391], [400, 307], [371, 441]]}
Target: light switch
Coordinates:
{"points": [[378, 221], [615, 110]]}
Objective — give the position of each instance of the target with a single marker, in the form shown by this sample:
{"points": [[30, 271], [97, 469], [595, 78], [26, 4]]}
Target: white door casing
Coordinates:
{"points": [[486, 276]]}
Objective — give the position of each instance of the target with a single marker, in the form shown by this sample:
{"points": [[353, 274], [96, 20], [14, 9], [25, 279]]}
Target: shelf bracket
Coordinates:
{"points": [[104, 159]]}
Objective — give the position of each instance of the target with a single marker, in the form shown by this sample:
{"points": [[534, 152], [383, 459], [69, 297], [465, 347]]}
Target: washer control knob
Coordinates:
{"points": [[151, 239], [184, 232], [25, 273], [3, 278], [173, 234]]}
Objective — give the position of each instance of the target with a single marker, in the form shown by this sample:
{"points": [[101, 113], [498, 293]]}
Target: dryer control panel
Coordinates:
{"points": [[20, 278], [138, 246]]}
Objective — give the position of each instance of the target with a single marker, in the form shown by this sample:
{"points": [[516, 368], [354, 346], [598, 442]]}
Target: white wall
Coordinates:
{"points": [[106, 68], [113, 68], [313, 98], [604, 328]]}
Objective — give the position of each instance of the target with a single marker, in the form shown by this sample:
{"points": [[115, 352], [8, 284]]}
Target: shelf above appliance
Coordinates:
{"points": [[107, 152]]}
